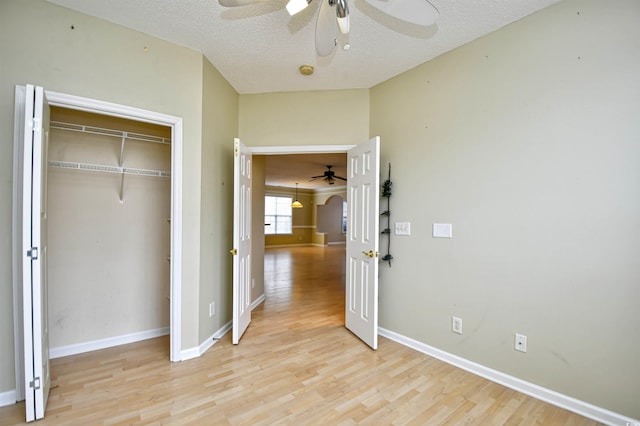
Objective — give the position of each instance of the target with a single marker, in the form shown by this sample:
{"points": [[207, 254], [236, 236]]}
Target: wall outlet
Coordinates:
{"points": [[520, 343], [456, 325], [212, 309]]}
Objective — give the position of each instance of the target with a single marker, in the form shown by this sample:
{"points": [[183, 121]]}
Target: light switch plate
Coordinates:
{"points": [[403, 228], [442, 230]]}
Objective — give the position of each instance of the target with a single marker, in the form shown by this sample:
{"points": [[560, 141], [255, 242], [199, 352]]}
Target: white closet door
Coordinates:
{"points": [[34, 252]]}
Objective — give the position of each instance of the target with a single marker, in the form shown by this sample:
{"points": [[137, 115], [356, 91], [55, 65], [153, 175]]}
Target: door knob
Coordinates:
{"points": [[371, 253], [234, 252]]}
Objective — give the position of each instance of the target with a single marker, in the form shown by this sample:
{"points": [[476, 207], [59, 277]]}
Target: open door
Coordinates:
{"points": [[363, 193], [241, 240], [34, 252]]}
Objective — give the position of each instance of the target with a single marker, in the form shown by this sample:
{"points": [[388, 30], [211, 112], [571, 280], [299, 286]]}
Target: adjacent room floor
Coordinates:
{"points": [[296, 364]]}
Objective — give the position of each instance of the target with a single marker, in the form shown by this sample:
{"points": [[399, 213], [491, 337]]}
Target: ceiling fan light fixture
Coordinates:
{"points": [[296, 204], [297, 6]]}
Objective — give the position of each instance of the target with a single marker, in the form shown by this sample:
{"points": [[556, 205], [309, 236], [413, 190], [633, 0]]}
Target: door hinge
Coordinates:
{"points": [[33, 253], [35, 384], [236, 149], [34, 123]]}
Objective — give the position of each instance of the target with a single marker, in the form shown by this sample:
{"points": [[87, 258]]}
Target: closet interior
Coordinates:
{"points": [[109, 207]]}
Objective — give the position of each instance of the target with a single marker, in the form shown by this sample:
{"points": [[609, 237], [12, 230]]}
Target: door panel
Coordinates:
{"points": [[34, 252], [363, 173], [241, 241]]}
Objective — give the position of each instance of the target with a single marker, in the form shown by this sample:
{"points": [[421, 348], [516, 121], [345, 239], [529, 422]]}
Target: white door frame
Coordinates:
{"points": [[137, 114], [300, 149]]}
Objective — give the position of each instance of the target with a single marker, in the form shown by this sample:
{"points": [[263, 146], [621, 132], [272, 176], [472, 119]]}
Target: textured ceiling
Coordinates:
{"points": [[258, 48]]}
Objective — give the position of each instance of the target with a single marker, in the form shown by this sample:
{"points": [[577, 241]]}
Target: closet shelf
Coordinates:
{"points": [[108, 132], [108, 169]]}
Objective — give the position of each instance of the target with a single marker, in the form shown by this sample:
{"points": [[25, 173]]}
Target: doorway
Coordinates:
{"points": [[276, 170], [362, 242], [361, 254], [109, 209]]}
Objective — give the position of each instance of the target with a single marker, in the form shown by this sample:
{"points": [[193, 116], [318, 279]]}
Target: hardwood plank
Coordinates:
{"points": [[296, 364]]}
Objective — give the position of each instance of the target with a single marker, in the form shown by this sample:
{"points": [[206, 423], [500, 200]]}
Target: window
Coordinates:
{"points": [[277, 215]]}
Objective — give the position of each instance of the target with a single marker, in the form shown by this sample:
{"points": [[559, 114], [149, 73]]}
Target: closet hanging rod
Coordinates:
{"points": [[108, 132], [108, 169]]}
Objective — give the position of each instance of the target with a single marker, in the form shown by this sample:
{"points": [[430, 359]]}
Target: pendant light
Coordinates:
{"points": [[296, 204]]}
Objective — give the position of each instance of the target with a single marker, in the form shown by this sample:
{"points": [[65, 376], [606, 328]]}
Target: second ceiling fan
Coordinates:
{"points": [[333, 16], [329, 176]]}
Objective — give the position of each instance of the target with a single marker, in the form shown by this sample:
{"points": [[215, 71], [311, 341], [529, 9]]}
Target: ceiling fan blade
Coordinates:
{"points": [[340, 177], [236, 3], [419, 12], [326, 29], [316, 177]]}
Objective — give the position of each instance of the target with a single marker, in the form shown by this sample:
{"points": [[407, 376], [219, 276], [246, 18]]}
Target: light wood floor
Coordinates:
{"points": [[295, 365]]}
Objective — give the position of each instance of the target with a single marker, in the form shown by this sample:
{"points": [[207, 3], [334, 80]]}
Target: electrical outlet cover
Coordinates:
{"points": [[456, 325]]}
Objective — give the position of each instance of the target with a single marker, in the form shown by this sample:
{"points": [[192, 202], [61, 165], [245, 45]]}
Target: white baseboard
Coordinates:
{"points": [[7, 398], [190, 353], [337, 243], [211, 340], [585, 409], [109, 342], [258, 301], [204, 346]]}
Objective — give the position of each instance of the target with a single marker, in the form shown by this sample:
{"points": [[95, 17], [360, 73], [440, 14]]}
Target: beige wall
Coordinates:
{"points": [[329, 219], [107, 62], [219, 128], [527, 141], [339, 117], [319, 199]]}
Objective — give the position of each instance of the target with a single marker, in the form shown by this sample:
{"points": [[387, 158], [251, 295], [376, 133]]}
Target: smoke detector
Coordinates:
{"points": [[306, 69]]}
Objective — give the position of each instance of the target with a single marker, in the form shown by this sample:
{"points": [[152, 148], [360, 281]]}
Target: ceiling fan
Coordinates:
{"points": [[328, 175], [329, 21]]}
